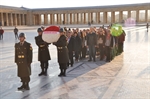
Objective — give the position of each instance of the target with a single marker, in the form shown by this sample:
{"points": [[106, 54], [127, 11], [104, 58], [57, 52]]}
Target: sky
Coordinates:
{"points": [[66, 3]]}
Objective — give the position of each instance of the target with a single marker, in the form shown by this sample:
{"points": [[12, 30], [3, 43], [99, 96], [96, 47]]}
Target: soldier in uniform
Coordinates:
{"points": [[23, 59], [62, 51], [43, 52], [16, 32]]}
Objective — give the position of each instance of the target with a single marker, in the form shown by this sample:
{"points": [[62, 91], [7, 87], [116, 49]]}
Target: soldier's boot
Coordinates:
{"points": [[61, 73], [64, 72], [42, 72], [27, 86], [45, 72], [22, 86]]}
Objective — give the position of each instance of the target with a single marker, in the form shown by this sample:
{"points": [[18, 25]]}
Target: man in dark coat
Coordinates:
{"points": [[16, 33], [62, 52], [43, 52], [77, 45], [23, 59], [91, 43], [70, 47]]}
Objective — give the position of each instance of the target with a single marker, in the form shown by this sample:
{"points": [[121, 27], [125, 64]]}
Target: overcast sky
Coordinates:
{"points": [[66, 3]]}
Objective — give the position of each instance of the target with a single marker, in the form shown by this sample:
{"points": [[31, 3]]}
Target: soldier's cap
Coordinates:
{"points": [[22, 35], [39, 30], [61, 30]]}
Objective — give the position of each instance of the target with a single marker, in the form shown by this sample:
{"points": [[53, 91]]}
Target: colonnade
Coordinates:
{"points": [[94, 15], [13, 19]]}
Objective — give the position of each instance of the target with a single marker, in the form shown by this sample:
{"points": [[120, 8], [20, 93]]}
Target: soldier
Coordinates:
{"points": [[43, 52], [62, 51], [147, 26], [16, 33], [1, 33], [23, 59]]}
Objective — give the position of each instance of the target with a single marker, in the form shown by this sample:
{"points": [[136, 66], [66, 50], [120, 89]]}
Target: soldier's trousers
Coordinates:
{"points": [[44, 65], [25, 79]]}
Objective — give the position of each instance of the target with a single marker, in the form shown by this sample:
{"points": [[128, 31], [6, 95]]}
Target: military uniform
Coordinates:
{"points": [[62, 51], [43, 54], [23, 59]]}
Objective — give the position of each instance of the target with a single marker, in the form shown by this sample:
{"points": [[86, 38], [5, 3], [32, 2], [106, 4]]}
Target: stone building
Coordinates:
{"points": [[16, 16]]}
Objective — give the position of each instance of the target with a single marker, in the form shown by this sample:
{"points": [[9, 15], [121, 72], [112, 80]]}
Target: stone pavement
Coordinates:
{"points": [[126, 77]]}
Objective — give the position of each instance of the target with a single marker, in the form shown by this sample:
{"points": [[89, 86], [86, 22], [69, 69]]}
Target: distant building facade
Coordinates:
{"points": [[17, 16]]}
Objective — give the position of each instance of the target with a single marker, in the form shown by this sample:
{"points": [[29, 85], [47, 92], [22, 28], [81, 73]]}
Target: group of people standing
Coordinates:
{"points": [[92, 42]]}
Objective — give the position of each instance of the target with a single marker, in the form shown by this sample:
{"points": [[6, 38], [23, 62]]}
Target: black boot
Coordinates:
{"points": [[64, 72], [42, 73], [27, 86], [22, 86], [45, 72], [61, 73]]}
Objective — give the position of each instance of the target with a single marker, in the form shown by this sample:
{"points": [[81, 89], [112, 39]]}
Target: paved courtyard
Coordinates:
{"points": [[126, 77]]}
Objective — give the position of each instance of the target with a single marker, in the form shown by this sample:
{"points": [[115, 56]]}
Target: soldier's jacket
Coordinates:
{"points": [[43, 51], [62, 49], [23, 58]]}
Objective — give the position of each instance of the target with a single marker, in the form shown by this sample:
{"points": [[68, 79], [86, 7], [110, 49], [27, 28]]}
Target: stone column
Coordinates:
{"points": [[146, 16], [15, 19], [137, 16], [20, 19], [51, 19], [112, 17], [59, 22], [104, 17], [66, 15], [92, 17], [29, 18], [129, 14], [120, 16], [23, 19], [98, 17], [84, 18], [39, 19], [74, 22], [64, 18], [89, 17], [2, 19], [77, 18], [7, 21], [11, 19], [57, 18], [70, 18], [81, 22], [46, 19]]}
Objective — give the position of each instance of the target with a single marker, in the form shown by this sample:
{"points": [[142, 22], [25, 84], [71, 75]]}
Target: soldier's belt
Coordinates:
{"points": [[20, 56], [62, 47], [42, 45]]}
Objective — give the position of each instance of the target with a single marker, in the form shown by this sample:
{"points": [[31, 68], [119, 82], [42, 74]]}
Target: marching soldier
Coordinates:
{"points": [[23, 59], [62, 51], [43, 52]]}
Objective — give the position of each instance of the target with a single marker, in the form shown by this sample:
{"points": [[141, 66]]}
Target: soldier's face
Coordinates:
{"points": [[21, 39], [40, 33]]}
